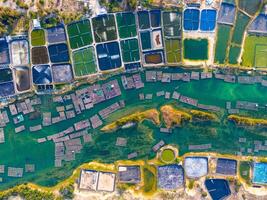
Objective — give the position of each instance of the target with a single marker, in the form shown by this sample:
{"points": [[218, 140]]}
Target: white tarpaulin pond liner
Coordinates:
{"points": [[196, 167]]}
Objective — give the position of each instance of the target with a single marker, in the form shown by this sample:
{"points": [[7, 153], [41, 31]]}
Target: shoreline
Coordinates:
{"points": [[66, 88], [112, 167]]}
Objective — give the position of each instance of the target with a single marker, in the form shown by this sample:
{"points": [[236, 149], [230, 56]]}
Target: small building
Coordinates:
{"points": [[29, 168], [129, 174], [36, 23], [226, 166], [88, 180], [2, 169], [106, 181], [196, 167], [15, 172], [121, 142], [157, 146], [170, 177]]}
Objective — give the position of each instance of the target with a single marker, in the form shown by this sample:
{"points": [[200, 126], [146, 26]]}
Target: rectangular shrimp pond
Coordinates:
{"points": [[22, 149], [195, 49], [260, 173]]}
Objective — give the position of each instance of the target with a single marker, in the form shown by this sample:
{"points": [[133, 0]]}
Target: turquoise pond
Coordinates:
{"points": [[260, 173]]}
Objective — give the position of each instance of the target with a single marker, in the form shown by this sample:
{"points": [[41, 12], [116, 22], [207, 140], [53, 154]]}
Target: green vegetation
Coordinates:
{"points": [[244, 170], [38, 37], [41, 2], [132, 4], [22, 25], [27, 193], [67, 192], [247, 121], [21, 4], [167, 155], [33, 15], [8, 17], [174, 117], [196, 49], [111, 5], [255, 51], [150, 180], [260, 56], [50, 20], [70, 17], [203, 116], [151, 114], [191, 184], [222, 43]]}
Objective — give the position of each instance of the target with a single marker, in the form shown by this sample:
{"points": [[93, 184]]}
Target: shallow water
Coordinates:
{"points": [[20, 149]]}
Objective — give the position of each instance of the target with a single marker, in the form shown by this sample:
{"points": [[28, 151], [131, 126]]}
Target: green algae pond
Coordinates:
{"points": [[241, 23], [234, 53], [22, 148], [195, 49], [222, 43]]}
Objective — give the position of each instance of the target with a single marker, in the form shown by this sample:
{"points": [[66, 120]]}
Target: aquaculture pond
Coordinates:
{"points": [[196, 49], [222, 43], [242, 21], [223, 136]]}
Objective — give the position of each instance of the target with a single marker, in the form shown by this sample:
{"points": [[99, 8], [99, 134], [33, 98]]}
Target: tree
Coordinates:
{"points": [[8, 17], [67, 192], [132, 4]]}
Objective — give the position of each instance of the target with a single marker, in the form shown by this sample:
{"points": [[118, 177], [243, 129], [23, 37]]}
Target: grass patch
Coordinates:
{"points": [[38, 37], [254, 48], [150, 180], [244, 170], [260, 56]]}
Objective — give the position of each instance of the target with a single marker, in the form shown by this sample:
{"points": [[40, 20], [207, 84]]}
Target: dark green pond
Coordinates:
{"points": [[20, 149]]}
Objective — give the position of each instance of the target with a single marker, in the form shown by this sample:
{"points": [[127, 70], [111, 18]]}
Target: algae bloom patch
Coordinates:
{"points": [[167, 156]]}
